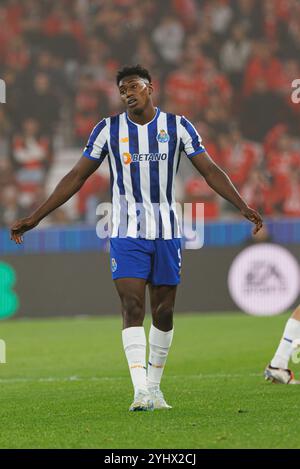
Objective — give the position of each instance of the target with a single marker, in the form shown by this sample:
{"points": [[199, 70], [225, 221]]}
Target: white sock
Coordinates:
{"points": [[134, 343], [159, 342], [285, 350]]}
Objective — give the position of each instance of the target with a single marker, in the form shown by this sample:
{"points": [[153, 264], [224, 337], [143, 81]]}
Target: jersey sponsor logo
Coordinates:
{"points": [[162, 136], [124, 139], [127, 158], [138, 157], [114, 264]]}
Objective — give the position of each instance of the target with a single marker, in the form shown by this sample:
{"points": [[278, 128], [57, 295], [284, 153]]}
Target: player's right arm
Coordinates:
{"points": [[215, 177], [66, 188]]}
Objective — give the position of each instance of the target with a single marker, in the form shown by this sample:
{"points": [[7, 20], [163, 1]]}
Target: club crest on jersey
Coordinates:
{"points": [[114, 264], [162, 136]]}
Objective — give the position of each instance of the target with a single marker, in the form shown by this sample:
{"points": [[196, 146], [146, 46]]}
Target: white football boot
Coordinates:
{"points": [[280, 375], [158, 399], [141, 402]]}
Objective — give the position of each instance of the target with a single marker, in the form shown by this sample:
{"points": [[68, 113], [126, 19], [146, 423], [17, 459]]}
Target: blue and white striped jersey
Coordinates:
{"points": [[143, 161]]}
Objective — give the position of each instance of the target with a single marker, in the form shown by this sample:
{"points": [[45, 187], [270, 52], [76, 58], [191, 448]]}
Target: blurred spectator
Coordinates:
{"points": [[64, 44], [41, 104], [238, 156], [109, 31], [187, 10], [217, 114], [88, 101], [90, 195], [262, 66], [32, 27], [60, 217], [6, 172], [168, 38], [235, 53], [108, 87], [284, 159], [219, 14], [17, 54], [197, 191], [261, 111], [94, 66], [145, 54], [6, 34], [186, 88], [257, 190], [10, 209], [291, 204], [5, 127], [31, 154], [200, 44], [11, 111], [248, 13]]}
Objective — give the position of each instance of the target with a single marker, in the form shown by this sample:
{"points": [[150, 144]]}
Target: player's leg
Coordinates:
{"points": [[131, 266], [162, 299], [165, 277], [278, 370], [132, 295]]}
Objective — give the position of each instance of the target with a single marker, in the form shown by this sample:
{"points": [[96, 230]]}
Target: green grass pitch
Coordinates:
{"points": [[66, 385]]}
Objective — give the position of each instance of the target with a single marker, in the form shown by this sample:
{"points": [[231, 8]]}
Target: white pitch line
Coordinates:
{"points": [[52, 379]]}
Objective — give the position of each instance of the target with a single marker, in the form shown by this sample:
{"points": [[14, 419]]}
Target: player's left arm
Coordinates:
{"points": [[218, 180]]}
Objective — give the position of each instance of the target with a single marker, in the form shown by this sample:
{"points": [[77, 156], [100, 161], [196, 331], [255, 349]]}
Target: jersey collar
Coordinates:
{"points": [[147, 123]]}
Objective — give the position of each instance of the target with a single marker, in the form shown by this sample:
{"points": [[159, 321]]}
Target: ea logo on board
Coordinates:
{"points": [[264, 280]]}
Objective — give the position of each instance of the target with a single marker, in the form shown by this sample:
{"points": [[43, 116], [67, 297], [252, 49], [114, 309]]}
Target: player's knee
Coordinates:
{"points": [[132, 310], [163, 316]]}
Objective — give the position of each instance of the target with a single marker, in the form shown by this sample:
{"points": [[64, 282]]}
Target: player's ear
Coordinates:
{"points": [[150, 88]]}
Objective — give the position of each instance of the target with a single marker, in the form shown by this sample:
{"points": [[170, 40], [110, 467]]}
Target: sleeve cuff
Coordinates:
{"points": [[197, 152], [87, 155]]}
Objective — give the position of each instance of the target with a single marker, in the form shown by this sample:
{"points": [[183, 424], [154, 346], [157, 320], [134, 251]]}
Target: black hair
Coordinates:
{"points": [[133, 70]]}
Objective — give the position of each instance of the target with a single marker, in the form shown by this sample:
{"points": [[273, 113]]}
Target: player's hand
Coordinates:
{"points": [[254, 217], [20, 227]]}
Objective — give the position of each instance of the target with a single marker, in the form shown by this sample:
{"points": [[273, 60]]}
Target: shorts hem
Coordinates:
{"points": [[170, 284], [129, 276]]}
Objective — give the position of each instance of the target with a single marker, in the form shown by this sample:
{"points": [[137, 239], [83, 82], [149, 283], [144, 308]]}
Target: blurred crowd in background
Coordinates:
{"points": [[227, 65]]}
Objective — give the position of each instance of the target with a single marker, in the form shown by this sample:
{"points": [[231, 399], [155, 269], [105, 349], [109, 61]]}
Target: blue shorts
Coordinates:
{"points": [[157, 261]]}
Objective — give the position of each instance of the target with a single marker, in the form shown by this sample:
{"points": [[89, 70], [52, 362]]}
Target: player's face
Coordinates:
{"points": [[135, 93]]}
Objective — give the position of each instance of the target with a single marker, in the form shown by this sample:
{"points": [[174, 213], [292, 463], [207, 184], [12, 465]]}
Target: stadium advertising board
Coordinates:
{"points": [[62, 292]]}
